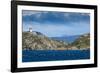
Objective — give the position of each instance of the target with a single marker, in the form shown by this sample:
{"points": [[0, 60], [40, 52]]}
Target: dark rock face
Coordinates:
{"points": [[38, 41]]}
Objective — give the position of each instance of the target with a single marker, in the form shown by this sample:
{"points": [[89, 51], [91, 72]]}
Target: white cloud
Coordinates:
{"points": [[86, 14], [30, 12]]}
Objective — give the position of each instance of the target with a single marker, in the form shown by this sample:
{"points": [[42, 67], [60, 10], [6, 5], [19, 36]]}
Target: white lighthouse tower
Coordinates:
{"points": [[30, 29]]}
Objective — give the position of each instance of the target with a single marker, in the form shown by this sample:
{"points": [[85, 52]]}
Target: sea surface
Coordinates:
{"points": [[54, 55]]}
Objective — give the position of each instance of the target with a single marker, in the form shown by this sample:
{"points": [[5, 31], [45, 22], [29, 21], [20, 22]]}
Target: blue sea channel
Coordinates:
{"points": [[54, 55]]}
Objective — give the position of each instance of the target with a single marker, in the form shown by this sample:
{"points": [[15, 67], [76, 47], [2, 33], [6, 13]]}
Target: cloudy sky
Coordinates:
{"points": [[56, 24]]}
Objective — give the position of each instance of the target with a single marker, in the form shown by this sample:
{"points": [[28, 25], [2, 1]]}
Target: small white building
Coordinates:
{"points": [[30, 29]]}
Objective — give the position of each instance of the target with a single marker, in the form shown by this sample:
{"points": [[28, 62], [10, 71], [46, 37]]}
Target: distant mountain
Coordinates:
{"points": [[38, 41], [68, 39]]}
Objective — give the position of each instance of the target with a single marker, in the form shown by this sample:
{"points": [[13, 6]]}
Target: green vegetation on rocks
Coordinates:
{"points": [[35, 41], [83, 42], [38, 41]]}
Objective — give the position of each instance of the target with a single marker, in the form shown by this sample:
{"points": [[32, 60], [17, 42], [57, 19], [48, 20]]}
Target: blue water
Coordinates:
{"points": [[54, 55], [68, 39]]}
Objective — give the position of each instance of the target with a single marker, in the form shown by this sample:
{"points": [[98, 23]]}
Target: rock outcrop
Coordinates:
{"points": [[38, 41], [83, 42]]}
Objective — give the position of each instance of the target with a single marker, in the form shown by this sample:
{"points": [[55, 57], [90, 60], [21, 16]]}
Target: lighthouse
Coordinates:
{"points": [[30, 29]]}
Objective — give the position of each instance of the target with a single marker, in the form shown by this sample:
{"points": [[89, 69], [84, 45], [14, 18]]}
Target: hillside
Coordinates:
{"points": [[82, 42], [38, 41]]}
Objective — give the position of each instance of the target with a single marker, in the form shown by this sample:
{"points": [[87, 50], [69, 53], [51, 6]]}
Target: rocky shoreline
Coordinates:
{"points": [[38, 41]]}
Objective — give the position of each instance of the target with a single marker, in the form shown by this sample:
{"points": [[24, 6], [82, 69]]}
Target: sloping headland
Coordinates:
{"points": [[38, 41]]}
